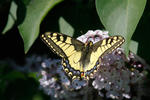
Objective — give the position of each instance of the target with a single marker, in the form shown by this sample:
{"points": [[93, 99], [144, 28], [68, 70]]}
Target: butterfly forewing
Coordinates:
{"points": [[61, 44], [107, 45]]}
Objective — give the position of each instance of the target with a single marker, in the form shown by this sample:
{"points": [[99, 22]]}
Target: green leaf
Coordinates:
{"points": [[133, 46], [36, 10], [37, 97], [65, 27], [14, 75], [33, 75], [12, 16], [120, 17]]}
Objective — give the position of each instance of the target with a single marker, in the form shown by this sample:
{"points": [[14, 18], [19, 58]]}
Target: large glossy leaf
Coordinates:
{"points": [[120, 17], [36, 10], [12, 17], [133, 46], [65, 27]]}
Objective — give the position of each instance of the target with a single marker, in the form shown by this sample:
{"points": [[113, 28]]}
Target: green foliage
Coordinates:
{"points": [[12, 17], [120, 17], [29, 18], [65, 27], [36, 10], [18, 85], [133, 46]]}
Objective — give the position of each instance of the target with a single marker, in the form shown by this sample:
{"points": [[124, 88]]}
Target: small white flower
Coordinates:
{"points": [[90, 36]]}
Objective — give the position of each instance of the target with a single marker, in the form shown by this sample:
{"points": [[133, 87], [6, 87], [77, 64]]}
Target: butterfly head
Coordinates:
{"points": [[88, 44]]}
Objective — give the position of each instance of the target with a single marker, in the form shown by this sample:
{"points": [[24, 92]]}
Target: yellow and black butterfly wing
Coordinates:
{"points": [[68, 48], [61, 44], [102, 48], [107, 45]]}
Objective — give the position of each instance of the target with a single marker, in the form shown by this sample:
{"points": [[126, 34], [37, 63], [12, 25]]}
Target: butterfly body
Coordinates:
{"points": [[80, 60]]}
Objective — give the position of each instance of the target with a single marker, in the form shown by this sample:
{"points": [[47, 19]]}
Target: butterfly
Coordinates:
{"points": [[80, 60]]}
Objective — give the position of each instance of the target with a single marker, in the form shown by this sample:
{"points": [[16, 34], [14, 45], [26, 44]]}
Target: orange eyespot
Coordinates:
{"points": [[82, 74]]}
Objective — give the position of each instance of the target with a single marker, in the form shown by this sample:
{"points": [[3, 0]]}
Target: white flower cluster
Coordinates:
{"points": [[114, 79], [55, 82], [93, 36]]}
